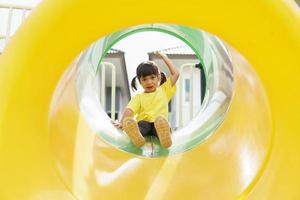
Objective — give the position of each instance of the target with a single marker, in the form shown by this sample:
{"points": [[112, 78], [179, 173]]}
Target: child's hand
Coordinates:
{"points": [[117, 124]]}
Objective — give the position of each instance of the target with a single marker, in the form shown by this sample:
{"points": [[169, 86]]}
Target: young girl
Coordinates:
{"points": [[151, 106]]}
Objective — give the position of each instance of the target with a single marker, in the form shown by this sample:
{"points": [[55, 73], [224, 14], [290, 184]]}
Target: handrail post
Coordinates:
{"points": [[113, 87], [8, 27]]}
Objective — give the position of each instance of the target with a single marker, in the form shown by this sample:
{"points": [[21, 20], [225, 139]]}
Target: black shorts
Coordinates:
{"points": [[147, 128]]}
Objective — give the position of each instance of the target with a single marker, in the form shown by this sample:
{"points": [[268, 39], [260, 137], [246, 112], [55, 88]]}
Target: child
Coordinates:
{"points": [[151, 106]]}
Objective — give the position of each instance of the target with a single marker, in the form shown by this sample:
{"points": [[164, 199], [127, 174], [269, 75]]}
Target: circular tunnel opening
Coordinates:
{"points": [[213, 62], [140, 46]]}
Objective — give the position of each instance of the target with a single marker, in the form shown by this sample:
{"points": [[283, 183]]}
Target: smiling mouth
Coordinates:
{"points": [[149, 88]]}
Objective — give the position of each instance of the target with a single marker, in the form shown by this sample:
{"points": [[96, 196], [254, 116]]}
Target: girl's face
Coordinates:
{"points": [[150, 83]]}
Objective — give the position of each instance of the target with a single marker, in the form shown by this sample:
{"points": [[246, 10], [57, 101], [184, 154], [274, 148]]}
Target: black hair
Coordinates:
{"points": [[146, 69]]}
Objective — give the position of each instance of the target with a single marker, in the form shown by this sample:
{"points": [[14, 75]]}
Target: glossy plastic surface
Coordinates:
{"points": [[241, 159]]}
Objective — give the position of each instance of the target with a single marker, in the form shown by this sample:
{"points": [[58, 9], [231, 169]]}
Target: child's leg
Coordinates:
{"points": [[131, 128], [163, 131]]}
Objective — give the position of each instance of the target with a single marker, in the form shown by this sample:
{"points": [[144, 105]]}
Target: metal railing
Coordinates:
{"points": [[11, 9], [113, 87]]}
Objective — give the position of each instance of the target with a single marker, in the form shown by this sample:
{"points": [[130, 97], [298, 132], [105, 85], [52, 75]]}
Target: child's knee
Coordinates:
{"points": [[126, 119], [160, 117]]}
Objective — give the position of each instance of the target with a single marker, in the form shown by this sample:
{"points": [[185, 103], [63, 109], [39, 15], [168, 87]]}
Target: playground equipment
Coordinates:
{"points": [[252, 155], [219, 90]]}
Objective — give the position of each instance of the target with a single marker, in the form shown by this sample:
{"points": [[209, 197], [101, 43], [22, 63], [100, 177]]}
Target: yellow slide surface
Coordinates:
{"points": [[48, 151]]}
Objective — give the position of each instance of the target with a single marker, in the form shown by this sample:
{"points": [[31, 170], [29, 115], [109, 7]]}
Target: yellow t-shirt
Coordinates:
{"points": [[148, 106]]}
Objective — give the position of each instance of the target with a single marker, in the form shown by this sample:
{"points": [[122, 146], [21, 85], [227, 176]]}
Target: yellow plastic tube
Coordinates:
{"points": [[34, 164]]}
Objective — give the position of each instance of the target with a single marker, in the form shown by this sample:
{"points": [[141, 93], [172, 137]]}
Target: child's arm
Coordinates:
{"points": [[173, 70], [127, 113]]}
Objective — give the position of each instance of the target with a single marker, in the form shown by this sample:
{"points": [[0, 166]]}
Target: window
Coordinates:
{"points": [[187, 89]]}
